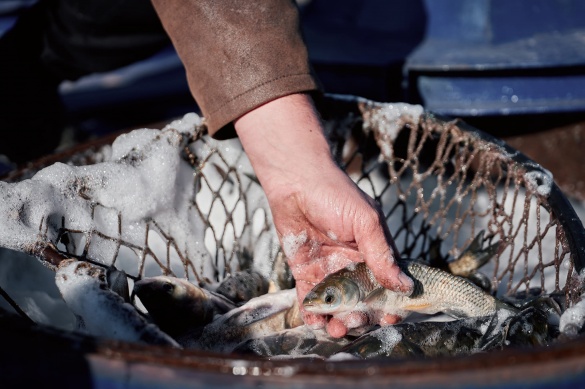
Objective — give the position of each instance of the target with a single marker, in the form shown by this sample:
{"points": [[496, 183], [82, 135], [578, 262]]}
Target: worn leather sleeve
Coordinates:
{"points": [[238, 55]]}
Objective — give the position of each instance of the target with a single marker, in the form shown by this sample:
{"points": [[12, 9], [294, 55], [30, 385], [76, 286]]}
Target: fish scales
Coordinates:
{"points": [[434, 291], [444, 292]]}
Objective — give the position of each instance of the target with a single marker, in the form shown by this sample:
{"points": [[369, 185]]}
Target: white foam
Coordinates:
{"points": [[186, 124], [390, 118], [432, 338], [573, 319], [291, 243], [335, 262], [540, 181], [342, 357], [388, 336], [331, 235]]}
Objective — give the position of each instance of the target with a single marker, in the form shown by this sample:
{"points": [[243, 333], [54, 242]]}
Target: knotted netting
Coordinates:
{"points": [[176, 202]]}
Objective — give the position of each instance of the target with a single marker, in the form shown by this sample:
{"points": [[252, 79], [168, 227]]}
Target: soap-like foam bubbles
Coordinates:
{"points": [[291, 243]]}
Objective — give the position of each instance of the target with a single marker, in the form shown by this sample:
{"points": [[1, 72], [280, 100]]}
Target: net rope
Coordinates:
{"points": [[439, 185]]}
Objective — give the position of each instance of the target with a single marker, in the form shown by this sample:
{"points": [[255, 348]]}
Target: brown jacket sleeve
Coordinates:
{"points": [[238, 54]]}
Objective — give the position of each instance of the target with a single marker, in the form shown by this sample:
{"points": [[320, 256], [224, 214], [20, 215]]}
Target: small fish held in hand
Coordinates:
{"points": [[356, 289]]}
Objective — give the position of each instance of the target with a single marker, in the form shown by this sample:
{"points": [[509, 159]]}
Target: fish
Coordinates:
{"points": [[103, 312], [260, 316], [421, 339], [177, 306], [467, 264], [355, 289], [431, 339], [473, 257], [243, 286], [301, 341], [529, 328]]}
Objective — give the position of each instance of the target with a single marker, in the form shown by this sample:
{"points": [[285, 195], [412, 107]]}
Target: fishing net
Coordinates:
{"points": [[176, 202]]}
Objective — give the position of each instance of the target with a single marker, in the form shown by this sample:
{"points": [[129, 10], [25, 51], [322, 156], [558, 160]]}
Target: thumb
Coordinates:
{"points": [[380, 254]]}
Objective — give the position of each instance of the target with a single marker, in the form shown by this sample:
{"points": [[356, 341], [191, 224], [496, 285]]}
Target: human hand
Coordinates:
{"points": [[324, 221]]}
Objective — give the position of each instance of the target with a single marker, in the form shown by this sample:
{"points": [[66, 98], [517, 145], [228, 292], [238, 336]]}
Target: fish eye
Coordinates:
{"points": [[167, 287], [331, 297]]}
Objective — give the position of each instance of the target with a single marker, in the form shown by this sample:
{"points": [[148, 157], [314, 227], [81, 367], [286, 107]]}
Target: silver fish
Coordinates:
{"points": [[178, 306], [355, 288], [261, 316], [243, 285], [473, 257], [104, 313]]}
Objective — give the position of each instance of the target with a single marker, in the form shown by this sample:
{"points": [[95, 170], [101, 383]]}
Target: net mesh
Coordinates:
{"points": [[438, 182]]}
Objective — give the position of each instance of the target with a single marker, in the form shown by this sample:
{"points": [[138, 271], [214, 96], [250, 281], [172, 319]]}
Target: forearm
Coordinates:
{"points": [[237, 55]]}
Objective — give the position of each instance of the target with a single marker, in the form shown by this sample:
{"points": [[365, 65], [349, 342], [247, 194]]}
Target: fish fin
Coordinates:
{"points": [[418, 307], [476, 243], [374, 295], [483, 256], [405, 261], [474, 247], [492, 249], [481, 280]]}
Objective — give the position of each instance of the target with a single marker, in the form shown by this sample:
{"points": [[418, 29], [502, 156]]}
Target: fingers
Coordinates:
{"points": [[316, 322], [379, 254], [338, 327], [390, 276], [389, 319]]}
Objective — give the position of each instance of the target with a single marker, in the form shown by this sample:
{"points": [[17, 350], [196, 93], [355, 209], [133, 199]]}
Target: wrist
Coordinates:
{"points": [[285, 143]]}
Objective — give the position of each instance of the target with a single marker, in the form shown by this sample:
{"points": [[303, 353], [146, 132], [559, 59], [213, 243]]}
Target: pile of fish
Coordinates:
{"points": [[241, 316]]}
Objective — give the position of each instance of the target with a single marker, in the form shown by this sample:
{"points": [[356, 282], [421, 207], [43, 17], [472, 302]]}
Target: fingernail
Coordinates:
{"points": [[390, 319], [406, 283]]}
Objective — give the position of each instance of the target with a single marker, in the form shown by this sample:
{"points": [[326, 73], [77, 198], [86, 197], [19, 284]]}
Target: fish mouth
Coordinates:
{"points": [[309, 301]]}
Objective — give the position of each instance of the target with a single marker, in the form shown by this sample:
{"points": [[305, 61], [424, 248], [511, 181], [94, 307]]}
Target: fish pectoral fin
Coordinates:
{"points": [[476, 244], [374, 295], [491, 250]]}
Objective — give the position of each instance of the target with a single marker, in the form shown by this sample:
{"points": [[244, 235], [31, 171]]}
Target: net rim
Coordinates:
{"points": [[108, 358]]}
